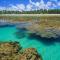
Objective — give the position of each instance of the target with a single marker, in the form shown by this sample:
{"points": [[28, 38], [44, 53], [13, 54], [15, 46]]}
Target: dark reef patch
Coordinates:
{"points": [[22, 32], [44, 40], [14, 51]]}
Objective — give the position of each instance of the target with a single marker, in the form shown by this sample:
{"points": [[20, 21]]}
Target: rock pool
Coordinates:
{"points": [[48, 48]]}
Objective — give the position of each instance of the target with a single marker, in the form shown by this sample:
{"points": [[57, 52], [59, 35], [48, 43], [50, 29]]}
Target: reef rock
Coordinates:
{"points": [[30, 54], [13, 51], [9, 51]]}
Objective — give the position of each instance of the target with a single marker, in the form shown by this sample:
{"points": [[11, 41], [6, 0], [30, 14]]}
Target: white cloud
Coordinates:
{"points": [[49, 3], [32, 2], [54, 5], [2, 8], [32, 6], [12, 8], [29, 7], [43, 5], [58, 3], [37, 4], [18, 7], [21, 7]]}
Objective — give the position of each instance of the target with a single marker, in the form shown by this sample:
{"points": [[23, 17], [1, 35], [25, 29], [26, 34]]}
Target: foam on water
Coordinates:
{"points": [[48, 50]]}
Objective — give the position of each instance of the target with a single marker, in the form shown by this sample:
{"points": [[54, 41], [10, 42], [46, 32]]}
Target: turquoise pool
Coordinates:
{"points": [[50, 50]]}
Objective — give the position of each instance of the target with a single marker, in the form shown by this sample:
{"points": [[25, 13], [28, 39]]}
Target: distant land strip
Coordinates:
{"points": [[29, 14]]}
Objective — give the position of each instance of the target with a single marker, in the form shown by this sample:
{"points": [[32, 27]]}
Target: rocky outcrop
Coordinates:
{"points": [[13, 51]]}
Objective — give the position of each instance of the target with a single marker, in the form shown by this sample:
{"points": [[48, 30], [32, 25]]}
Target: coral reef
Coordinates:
{"points": [[30, 54], [13, 51]]}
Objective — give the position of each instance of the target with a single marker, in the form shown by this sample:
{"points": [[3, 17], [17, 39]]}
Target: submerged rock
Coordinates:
{"points": [[13, 51], [44, 30]]}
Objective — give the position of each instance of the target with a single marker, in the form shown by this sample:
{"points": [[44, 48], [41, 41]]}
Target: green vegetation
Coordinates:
{"points": [[51, 11]]}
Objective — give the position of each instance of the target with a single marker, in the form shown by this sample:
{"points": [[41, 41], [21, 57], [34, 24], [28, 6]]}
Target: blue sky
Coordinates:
{"points": [[29, 4]]}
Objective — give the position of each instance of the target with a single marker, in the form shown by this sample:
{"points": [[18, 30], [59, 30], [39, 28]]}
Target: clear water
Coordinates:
{"points": [[50, 50]]}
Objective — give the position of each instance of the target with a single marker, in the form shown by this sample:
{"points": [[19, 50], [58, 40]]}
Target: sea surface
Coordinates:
{"points": [[48, 48]]}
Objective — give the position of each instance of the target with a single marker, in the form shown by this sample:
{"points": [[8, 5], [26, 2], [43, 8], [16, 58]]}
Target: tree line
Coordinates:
{"points": [[50, 11]]}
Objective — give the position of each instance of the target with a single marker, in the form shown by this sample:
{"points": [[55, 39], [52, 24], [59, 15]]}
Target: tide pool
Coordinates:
{"points": [[49, 50]]}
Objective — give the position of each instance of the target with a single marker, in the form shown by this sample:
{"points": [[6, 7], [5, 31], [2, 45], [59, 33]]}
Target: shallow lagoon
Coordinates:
{"points": [[48, 48]]}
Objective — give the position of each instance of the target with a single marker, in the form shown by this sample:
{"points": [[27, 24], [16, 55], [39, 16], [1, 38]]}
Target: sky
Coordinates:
{"points": [[29, 5]]}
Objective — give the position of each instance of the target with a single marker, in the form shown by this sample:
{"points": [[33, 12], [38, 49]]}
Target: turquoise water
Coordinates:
{"points": [[48, 50]]}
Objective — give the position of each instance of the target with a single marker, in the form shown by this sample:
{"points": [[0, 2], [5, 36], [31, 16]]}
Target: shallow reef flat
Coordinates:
{"points": [[45, 25], [14, 51]]}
